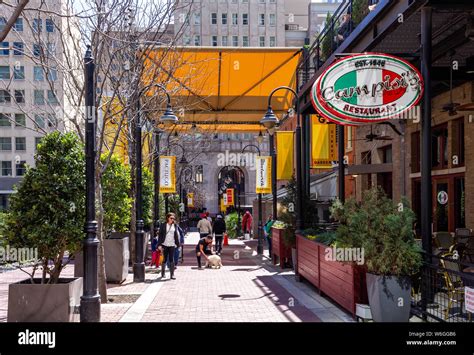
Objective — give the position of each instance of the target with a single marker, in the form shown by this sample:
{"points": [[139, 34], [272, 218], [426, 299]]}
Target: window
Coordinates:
{"points": [[186, 19], [366, 157], [439, 147], [6, 143], [39, 97], [272, 41], [262, 41], [5, 120], [38, 74], [198, 177], [234, 1], [386, 154], [5, 97], [18, 48], [18, 25], [52, 120], [52, 98], [37, 141], [224, 41], [36, 50], [214, 18], [273, 1], [20, 96], [261, 1], [20, 143], [197, 40], [186, 40], [235, 19], [37, 25], [6, 168], [349, 137], [52, 74], [20, 120], [51, 49], [19, 73], [272, 19], [261, 19], [214, 41], [457, 142], [197, 19], [3, 22], [49, 25], [245, 1], [235, 41], [224, 19], [21, 168], [245, 19], [40, 121], [4, 202], [245, 41], [4, 48], [4, 72]]}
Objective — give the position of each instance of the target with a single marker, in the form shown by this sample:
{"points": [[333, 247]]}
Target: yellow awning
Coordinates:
{"points": [[224, 88]]}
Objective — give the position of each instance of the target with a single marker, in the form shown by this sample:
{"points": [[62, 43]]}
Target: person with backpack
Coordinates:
{"points": [[219, 231]]}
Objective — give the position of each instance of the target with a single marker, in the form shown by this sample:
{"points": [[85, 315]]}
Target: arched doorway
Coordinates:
{"points": [[231, 177]]}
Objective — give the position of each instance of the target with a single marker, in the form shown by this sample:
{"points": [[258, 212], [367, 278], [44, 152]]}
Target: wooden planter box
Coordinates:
{"points": [[344, 283], [280, 252]]}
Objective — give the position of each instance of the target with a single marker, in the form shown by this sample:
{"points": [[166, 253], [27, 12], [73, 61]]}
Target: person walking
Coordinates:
{"points": [[168, 240], [203, 248], [267, 229], [247, 222], [219, 231], [179, 250], [204, 226]]}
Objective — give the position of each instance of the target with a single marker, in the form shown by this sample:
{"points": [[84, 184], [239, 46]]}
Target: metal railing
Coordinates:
{"points": [[444, 282], [332, 36]]}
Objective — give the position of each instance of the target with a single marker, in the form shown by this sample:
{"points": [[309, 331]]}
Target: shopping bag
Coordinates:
{"points": [[247, 236]]}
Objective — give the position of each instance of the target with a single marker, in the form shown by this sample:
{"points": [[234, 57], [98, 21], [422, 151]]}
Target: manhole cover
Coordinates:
{"points": [[122, 298]]}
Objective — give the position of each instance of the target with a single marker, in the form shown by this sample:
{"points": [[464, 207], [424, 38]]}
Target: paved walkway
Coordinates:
{"points": [[247, 289]]}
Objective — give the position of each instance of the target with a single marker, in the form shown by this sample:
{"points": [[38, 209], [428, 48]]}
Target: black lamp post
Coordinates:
{"points": [[168, 118], [270, 121], [260, 225], [90, 300]]}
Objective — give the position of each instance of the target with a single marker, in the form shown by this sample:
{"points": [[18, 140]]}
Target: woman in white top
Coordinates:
{"points": [[168, 240]]}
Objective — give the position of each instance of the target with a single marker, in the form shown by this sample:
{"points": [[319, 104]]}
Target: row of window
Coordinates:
{"points": [[6, 168], [18, 73], [19, 49], [235, 19], [225, 41], [37, 24], [6, 144], [39, 97], [19, 120]]}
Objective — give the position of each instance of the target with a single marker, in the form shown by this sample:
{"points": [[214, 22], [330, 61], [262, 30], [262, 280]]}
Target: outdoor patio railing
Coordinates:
{"points": [[443, 280]]}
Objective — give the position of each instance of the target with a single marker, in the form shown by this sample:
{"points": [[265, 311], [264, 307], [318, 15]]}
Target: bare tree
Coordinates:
{"points": [[18, 8]]}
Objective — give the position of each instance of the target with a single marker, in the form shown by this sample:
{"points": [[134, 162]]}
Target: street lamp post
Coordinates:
{"points": [[167, 118], [90, 300], [260, 225], [269, 121]]}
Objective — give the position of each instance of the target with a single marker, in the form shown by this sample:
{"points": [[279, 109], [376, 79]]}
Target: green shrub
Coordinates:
{"points": [[231, 221]]}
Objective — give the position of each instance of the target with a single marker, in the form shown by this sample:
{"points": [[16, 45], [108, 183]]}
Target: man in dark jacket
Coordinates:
{"points": [[219, 229]]}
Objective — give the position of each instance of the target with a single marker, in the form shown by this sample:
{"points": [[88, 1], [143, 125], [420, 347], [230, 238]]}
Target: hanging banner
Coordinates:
{"points": [[263, 165], [230, 197], [224, 199], [367, 88], [222, 205], [190, 196], [285, 152], [323, 144], [167, 174]]}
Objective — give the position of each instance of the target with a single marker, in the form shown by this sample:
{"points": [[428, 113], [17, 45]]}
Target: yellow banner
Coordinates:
{"points": [[190, 199], [167, 174], [223, 206], [263, 165], [285, 152], [323, 144]]}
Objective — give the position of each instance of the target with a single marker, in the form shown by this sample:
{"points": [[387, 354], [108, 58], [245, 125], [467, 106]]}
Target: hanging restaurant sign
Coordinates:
{"points": [[365, 88]]}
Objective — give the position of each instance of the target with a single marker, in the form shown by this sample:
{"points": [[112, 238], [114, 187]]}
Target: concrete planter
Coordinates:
{"points": [[117, 255], [389, 298], [44, 302]]}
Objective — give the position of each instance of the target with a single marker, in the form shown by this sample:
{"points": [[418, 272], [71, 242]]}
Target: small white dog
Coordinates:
{"points": [[213, 261]]}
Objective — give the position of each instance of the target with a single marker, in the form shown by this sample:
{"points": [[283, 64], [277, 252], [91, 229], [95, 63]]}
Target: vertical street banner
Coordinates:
{"points": [[190, 196], [285, 153], [230, 197], [323, 144], [264, 174], [167, 174]]}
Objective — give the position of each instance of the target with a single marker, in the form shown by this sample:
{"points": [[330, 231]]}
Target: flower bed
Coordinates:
{"points": [[344, 283]]}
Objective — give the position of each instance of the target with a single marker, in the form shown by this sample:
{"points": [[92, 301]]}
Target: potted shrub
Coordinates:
{"points": [[281, 239], [383, 230], [47, 214]]}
